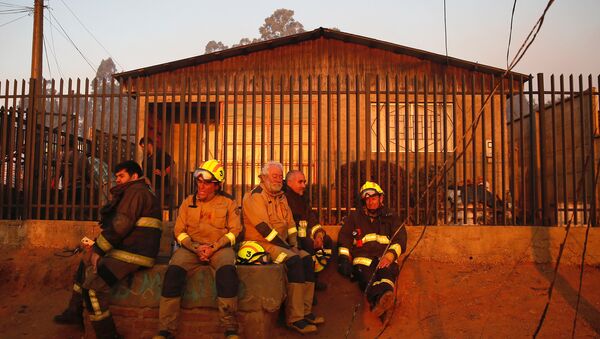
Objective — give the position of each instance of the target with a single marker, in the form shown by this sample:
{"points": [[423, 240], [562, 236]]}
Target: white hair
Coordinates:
{"points": [[264, 170]]}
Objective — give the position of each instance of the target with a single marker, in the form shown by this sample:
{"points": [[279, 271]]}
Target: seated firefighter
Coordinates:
{"points": [[130, 239], [206, 229], [269, 221], [311, 235], [365, 235]]}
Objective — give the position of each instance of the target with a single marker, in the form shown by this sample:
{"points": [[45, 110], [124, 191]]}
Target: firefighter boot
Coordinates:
{"points": [[294, 309], [105, 328], [309, 291], [227, 316], [385, 302], [73, 315]]}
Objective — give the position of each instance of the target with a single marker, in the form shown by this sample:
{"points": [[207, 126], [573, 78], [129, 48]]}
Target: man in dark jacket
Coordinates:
{"points": [[311, 235], [130, 239], [365, 235]]}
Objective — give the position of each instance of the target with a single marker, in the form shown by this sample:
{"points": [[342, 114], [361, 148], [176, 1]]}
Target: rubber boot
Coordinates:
{"points": [[294, 309], [385, 302], [73, 315], [309, 292], [168, 314], [227, 315], [105, 328]]}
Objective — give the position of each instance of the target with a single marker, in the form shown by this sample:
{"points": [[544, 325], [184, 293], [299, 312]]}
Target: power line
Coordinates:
{"points": [[446, 32], [87, 30], [21, 17], [47, 61], [512, 16], [66, 35], [53, 49]]}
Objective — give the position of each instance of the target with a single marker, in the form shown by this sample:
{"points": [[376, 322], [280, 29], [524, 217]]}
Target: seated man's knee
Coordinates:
{"points": [[227, 281], [173, 282], [295, 269]]}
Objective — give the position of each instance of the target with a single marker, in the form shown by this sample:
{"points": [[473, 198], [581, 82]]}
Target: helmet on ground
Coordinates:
{"points": [[210, 170], [321, 259], [252, 253], [369, 189]]}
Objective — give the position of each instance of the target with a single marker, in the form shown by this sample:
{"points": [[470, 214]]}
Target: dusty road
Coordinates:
{"points": [[436, 300]]}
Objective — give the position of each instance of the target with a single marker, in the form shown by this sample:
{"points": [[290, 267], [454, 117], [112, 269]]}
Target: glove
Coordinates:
{"points": [[345, 267]]}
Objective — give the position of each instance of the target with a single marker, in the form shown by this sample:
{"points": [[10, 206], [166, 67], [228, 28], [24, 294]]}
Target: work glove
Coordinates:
{"points": [[345, 266]]}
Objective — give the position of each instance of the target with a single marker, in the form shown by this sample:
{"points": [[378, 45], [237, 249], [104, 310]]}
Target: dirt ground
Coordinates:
{"points": [[435, 300]]}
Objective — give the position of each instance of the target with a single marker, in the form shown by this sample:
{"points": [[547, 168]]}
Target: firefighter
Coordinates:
{"points": [[130, 238], [364, 236], [269, 221], [311, 235], [206, 229]]}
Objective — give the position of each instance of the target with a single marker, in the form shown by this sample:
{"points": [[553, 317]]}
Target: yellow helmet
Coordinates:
{"points": [[251, 253], [321, 259], [211, 170], [370, 188]]}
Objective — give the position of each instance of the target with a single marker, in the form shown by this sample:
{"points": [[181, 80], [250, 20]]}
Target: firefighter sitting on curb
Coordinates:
{"points": [[130, 238], [311, 235], [269, 221], [364, 236], [206, 229]]}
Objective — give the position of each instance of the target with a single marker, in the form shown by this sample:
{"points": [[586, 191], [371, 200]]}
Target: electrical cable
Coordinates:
{"points": [[446, 32], [66, 35], [9, 22], [512, 16], [521, 52], [53, 49], [87, 30], [46, 55]]}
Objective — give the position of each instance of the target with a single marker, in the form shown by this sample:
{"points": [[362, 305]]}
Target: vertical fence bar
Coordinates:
{"points": [[309, 174], [300, 124], [592, 150], [435, 151], [445, 136], [272, 156], [465, 197], [128, 110], [406, 147], [59, 164], [189, 104], [102, 148], [494, 153], [244, 131], [358, 130], [86, 173], [41, 157], [454, 150], [328, 150], [76, 193], [542, 137], [388, 196], [367, 128], [119, 123], [426, 218], [253, 151], [533, 154], [111, 113], [523, 189], [217, 123], [483, 149], [234, 137], [198, 144], [397, 144], [225, 160], [338, 162], [291, 122], [503, 122], [29, 144], [319, 139], [564, 149], [417, 180], [92, 192], [19, 203], [3, 154], [348, 157], [262, 120], [573, 148], [554, 150], [377, 130], [513, 173], [178, 106], [583, 152], [281, 120], [206, 138], [166, 137], [474, 180], [152, 120]]}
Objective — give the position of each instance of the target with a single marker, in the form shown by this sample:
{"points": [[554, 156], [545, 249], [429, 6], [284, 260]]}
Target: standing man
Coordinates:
{"points": [[312, 236], [206, 229], [269, 221], [364, 236], [157, 171], [130, 239]]}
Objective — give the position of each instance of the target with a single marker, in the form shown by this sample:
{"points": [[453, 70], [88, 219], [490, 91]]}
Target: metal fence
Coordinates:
{"points": [[446, 150]]}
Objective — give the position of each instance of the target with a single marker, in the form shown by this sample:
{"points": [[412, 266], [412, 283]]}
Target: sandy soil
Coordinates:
{"points": [[435, 299]]}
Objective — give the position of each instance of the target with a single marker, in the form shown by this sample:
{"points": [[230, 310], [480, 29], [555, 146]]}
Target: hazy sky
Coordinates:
{"points": [[144, 33]]}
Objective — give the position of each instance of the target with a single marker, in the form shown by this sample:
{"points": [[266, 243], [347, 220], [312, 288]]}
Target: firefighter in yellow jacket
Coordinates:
{"points": [[365, 235], [206, 229], [269, 221]]}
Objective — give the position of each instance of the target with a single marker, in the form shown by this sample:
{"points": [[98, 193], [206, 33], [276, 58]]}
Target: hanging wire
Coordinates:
{"points": [[66, 35], [512, 16], [446, 32], [46, 55], [91, 34], [53, 48], [9, 22]]}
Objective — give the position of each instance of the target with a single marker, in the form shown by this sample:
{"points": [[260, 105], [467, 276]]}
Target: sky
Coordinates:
{"points": [[144, 33]]}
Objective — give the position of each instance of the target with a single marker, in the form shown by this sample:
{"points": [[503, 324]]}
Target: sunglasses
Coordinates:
{"points": [[204, 175]]}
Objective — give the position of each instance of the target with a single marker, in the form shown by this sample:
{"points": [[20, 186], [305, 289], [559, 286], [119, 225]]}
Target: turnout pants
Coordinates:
{"points": [[182, 262], [300, 279], [382, 282]]}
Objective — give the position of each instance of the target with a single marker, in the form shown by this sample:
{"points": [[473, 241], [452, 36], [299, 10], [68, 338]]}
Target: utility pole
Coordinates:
{"points": [[38, 36]]}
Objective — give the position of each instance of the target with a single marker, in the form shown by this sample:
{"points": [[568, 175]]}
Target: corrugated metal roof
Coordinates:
{"points": [[311, 35]]}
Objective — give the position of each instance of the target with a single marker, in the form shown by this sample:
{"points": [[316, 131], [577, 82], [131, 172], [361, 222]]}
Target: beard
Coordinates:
{"points": [[273, 187]]}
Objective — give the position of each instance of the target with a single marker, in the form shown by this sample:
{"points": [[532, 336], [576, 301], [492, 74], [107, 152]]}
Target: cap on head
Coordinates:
{"points": [[211, 170], [370, 189]]}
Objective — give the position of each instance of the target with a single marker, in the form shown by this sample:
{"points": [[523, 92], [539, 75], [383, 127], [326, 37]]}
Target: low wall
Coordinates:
{"points": [[480, 244]]}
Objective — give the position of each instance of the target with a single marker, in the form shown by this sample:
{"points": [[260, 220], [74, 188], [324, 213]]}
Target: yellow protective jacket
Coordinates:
{"points": [[267, 217], [215, 222]]}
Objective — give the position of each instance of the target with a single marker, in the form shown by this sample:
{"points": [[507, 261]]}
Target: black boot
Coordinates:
{"points": [[73, 315], [106, 329]]}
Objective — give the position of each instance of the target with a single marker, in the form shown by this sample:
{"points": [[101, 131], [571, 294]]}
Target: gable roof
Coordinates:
{"points": [[312, 35]]}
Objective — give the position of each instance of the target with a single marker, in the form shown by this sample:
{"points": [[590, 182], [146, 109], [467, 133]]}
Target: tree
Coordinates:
{"points": [[281, 23], [244, 41], [213, 46], [106, 69]]}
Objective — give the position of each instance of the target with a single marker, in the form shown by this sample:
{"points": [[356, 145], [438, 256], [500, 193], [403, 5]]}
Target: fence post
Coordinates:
{"points": [[541, 104], [34, 94]]}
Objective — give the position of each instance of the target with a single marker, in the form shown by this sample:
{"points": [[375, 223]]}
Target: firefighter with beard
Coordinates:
{"points": [[130, 239], [206, 229], [269, 221], [364, 236]]}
